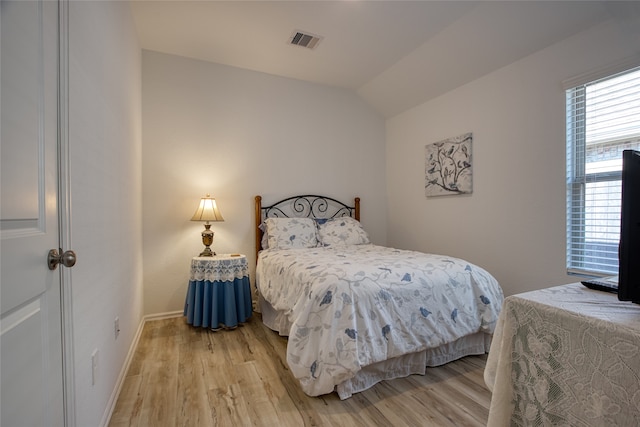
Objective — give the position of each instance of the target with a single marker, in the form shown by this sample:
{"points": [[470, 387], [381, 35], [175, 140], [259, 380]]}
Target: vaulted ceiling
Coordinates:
{"points": [[394, 54]]}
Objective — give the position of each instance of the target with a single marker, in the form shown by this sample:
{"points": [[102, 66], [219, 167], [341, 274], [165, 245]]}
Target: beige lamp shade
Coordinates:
{"points": [[207, 211]]}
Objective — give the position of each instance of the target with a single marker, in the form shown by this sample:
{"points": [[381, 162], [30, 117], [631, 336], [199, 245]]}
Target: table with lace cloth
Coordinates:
{"points": [[565, 356], [219, 292]]}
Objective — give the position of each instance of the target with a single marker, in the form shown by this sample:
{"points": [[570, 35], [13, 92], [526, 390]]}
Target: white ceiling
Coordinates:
{"points": [[394, 54]]}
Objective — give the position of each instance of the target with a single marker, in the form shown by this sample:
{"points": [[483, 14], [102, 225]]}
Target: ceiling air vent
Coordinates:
{"points": [[310, 41]]}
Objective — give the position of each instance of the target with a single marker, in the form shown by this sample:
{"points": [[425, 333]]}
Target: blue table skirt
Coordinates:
{"points": [[218, 304]]}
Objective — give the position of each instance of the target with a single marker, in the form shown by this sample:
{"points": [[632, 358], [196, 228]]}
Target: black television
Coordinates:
{"points": [[629, 249]]}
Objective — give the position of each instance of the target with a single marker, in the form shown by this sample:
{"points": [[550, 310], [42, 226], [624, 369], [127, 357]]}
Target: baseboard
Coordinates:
{"points": [[125, 368], [167, 315]]}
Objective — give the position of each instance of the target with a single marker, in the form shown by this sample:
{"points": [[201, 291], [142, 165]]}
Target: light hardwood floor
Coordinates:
{"points": [[185, 376]]}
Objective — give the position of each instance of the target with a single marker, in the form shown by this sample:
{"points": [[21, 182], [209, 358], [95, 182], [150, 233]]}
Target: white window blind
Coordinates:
{"points": [[603, 119]]}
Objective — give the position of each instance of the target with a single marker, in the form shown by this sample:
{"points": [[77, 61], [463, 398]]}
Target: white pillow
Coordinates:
{"points": [[341, 231], [264, 242], [285, 233]]}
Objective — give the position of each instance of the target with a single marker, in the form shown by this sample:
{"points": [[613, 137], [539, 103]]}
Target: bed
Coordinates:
{"points": [[356, 313]]}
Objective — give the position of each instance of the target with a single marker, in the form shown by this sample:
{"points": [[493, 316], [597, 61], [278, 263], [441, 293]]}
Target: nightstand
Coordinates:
{"points": [[219, 293]]}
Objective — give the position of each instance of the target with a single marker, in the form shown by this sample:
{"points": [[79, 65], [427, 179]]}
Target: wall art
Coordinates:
{"points": [[448, 166]]}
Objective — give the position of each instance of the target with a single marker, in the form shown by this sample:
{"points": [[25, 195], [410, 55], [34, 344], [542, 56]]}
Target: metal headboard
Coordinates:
{"points": [[305, 206]]}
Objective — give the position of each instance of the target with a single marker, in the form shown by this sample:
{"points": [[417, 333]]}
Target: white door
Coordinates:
{"points": [[31, 340]]}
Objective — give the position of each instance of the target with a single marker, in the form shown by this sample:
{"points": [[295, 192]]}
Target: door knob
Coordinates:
{"points": [[68, 259]]}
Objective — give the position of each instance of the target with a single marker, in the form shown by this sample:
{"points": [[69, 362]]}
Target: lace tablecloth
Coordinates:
{"points": [[565, 356], [219, 268]]}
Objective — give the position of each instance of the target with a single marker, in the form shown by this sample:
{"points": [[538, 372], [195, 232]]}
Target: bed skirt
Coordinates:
{"points": [[398, 367]]}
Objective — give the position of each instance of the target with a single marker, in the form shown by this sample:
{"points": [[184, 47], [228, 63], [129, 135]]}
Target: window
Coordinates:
{"points": [[603, 119]]}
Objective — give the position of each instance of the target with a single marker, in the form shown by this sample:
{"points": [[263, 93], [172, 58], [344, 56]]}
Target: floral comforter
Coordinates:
{"points": [[353, 306]]}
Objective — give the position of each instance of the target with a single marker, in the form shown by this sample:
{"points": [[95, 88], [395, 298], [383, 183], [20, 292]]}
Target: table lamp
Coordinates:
{"points": [[207, 211]]}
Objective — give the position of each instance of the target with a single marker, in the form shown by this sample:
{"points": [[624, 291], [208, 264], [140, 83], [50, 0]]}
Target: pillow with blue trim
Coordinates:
{"points": [[287, 233], [342, 231]]}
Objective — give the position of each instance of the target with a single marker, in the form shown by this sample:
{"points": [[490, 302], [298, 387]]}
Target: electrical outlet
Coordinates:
{"points": [[116, 327], [94, 367]]}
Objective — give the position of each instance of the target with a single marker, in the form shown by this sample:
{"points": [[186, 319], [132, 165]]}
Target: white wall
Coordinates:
{"points": [[209, 128], [514, 222], [106, 186]]}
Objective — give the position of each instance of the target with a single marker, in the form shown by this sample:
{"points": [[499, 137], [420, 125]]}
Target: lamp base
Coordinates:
{"points": [[207, 240], [207, 252]]}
